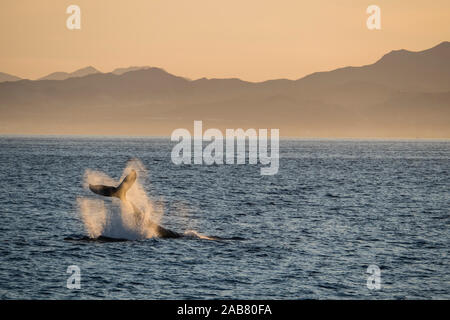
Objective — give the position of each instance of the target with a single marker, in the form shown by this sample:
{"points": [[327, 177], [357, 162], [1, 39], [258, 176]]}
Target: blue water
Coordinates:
{"points": [[309, 232]]}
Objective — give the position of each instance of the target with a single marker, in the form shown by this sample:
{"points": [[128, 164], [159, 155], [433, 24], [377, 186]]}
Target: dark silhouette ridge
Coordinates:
{"points": [[403, 94], [8, 77]]}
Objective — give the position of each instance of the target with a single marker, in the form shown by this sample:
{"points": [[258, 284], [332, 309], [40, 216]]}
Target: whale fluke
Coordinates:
{"points": [[119, 191]]}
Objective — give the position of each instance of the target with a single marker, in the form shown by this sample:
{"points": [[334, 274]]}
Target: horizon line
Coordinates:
{"points": [[126, 136]]}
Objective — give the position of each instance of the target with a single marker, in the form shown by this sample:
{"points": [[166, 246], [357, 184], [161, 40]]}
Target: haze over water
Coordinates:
{"points": [[311, 231]]}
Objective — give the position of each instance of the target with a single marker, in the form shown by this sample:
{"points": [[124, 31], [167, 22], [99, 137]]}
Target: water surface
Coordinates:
{"points": [[309, 232]]}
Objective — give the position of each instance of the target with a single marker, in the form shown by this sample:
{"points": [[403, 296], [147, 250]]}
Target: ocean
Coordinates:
{"points": [[311, 231]]}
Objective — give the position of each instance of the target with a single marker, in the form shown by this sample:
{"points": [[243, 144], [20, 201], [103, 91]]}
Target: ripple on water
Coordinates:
{"points": [[311, 231]]}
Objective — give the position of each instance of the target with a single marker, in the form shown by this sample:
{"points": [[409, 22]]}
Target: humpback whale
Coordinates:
{"points": [[121, 192]]}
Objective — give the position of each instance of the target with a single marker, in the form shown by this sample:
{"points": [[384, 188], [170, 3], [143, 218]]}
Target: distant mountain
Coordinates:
{"points": [[404, 94], [120, 71], [65, 75], [7, 77], [426, 70]]}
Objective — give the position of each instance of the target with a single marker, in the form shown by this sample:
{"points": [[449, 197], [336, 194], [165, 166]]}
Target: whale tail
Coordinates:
{"points": [[119, 191]]}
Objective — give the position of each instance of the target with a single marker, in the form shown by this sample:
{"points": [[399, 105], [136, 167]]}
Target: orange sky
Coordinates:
{"points": [[251, 39]]}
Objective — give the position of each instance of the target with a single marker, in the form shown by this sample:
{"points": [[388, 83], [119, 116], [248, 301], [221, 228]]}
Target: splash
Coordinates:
{"points": [[113, 218], [195, 234]]}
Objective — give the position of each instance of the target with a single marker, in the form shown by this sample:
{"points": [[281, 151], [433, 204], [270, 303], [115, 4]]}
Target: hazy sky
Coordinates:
{"points": [[251, 39]]}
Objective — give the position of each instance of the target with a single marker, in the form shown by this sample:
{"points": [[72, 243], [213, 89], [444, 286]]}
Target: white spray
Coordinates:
{"points": [[113, 218], [132, 219]]}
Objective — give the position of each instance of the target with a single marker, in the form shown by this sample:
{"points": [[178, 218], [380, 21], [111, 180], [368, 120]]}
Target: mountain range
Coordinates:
{"points": [[61, 75], [66, 75], [8, 77], [404, 94]]}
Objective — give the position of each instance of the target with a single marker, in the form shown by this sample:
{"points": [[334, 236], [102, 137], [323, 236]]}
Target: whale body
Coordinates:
{"points": [[121, 191]]}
